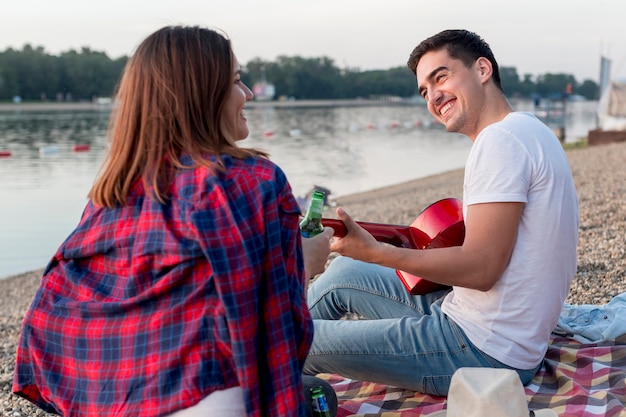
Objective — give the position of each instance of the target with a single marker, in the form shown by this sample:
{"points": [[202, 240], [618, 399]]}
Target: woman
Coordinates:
{"points": [[182, 287]]}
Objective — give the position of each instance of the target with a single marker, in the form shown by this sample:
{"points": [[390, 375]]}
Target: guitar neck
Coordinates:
{"points": [[393, 234]]}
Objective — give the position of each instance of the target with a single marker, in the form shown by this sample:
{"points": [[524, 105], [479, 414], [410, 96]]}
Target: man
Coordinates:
{"points": [[510, 277]]}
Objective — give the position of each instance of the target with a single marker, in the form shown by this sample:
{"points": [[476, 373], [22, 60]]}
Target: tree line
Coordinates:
{"points": [[32, 74]]}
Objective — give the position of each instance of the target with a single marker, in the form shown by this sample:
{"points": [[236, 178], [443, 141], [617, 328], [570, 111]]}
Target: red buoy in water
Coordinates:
{"points": [[81, 148]]}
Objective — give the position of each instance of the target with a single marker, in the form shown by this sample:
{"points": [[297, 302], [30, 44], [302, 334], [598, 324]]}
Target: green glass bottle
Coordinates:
{"points": [[311, 224], [320, 405]]}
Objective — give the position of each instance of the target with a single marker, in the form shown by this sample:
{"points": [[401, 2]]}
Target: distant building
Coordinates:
{"points": [[263, 91]]}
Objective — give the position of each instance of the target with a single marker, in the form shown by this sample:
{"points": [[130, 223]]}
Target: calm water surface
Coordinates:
{"points": [[345, 149]]}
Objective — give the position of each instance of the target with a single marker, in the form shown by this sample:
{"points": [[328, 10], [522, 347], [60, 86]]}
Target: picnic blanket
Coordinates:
{"points": [[575, 380]]}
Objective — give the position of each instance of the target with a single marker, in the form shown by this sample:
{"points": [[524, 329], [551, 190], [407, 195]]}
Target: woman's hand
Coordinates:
{"points": [[316, 251]]}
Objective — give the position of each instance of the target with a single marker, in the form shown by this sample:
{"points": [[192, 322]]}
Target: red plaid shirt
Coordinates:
{"points": [[148, 308]]}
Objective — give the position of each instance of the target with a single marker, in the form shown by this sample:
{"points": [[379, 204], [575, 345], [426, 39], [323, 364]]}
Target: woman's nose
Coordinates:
{"points": [[249, 93]]}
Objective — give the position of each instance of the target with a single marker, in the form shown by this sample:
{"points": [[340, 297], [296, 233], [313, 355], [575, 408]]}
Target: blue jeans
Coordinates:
{"points": [[401, 340]]}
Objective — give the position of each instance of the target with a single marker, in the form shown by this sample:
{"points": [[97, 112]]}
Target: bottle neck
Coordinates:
{"points": [[315, 209]]}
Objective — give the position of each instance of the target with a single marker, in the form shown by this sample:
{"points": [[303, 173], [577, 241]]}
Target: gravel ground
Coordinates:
{"points": [[600, 178]]}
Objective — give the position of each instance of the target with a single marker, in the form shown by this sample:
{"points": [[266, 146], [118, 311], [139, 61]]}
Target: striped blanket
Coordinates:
{"points": [[581, 380]]}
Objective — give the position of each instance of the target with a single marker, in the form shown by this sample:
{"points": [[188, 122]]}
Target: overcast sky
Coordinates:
{"points": [[535, 36]]}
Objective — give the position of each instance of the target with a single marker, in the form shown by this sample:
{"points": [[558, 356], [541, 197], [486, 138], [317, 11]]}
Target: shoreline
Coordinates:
{"points": [[599, 177], [87, 105], [60, 106]]}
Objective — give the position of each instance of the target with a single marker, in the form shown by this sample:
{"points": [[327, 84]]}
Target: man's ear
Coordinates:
{"points": [[484, 68]]}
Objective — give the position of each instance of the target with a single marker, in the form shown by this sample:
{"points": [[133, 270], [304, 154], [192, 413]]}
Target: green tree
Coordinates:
{"points": [[9, 79], [588, 89], [510, 81], [398, 82], [89, 74], [553, 84], [27, 73], [82, 75]]}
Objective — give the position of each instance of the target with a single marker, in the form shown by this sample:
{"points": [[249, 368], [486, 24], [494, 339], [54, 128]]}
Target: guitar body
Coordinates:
{"points": [[440, 225]]}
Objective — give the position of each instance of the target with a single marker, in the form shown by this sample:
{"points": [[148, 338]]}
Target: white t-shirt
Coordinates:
{"points": [[519, 159]]}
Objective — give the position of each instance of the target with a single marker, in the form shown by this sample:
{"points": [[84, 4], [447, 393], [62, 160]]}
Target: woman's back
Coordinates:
{"points": [[153, 306]]}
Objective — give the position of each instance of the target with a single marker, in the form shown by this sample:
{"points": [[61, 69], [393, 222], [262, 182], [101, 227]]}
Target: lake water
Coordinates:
{"points": [[44, 182]]}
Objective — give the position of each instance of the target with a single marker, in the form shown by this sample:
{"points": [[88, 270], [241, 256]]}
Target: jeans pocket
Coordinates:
{"points": [[459, 335], [436, 385]]}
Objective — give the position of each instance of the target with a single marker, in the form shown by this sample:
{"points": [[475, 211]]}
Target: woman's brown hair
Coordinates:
{"points": [[169, 102]]}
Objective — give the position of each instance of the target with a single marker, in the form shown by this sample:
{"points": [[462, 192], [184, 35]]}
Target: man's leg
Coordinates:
{"points": [[367, 290], [403, 340]]}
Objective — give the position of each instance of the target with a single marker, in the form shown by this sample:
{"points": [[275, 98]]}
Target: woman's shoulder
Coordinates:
{"points": [[256, 166], [251, 173]]}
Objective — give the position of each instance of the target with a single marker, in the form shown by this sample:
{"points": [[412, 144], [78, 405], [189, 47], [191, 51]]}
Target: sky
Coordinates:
{"points": [[534, 36]]}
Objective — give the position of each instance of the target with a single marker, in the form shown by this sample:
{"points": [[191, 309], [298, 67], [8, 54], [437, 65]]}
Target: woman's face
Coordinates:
{"points": [[234, 115]]}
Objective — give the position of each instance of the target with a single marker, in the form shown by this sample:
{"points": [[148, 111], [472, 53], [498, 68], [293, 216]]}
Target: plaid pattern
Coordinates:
{"points": [[147, 308], [582, 380], [576, 380]]}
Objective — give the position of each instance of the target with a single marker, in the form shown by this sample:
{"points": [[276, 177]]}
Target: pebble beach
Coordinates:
{"points": [[600, 177]]}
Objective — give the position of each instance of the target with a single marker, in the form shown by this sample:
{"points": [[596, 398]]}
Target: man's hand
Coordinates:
{"points": [[358, 243]]}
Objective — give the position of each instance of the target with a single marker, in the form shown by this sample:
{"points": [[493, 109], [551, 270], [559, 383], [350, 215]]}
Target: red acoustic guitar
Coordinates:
{"points": [[439, 225]]}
